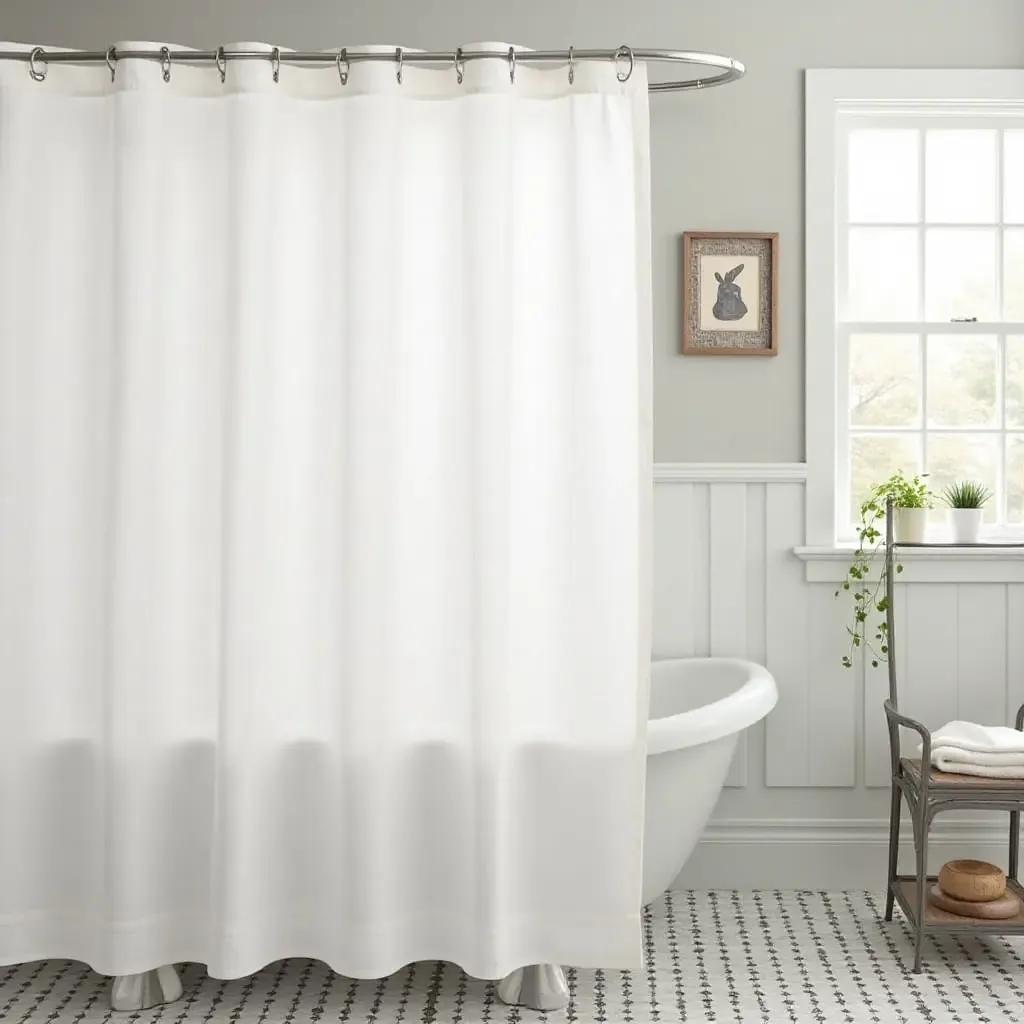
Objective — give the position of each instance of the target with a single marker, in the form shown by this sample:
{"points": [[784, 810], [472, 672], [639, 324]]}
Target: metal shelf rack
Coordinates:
{"points": [[928, 792]]}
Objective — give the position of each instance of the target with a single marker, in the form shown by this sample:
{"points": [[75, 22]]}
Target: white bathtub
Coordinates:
{"points": [[699, 706]]}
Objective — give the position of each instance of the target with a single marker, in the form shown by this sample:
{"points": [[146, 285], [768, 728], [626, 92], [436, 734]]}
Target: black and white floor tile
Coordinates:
{"points": [[710, 956]]}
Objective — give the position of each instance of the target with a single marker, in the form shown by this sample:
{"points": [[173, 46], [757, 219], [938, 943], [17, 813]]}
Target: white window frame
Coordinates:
{"points": [[832, 95]]}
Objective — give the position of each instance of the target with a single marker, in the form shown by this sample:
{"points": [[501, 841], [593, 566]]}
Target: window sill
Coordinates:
{"points": [[922, 565]]}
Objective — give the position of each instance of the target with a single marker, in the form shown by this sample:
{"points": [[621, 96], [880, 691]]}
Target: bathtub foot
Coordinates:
{"points": [[539, 986], [133, 992]]}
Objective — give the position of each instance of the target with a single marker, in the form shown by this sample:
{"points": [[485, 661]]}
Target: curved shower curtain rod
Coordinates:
{"points": [[725, 68]]}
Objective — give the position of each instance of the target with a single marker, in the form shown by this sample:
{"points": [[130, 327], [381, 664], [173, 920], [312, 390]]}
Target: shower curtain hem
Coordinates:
{"points": [[609, 944]]}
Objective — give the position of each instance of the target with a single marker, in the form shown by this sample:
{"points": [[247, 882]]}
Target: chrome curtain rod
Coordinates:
{"points": [[723, 69]]}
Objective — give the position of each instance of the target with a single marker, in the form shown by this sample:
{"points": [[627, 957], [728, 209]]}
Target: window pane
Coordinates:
{"points": [[885, 380], [953, 457], [884, 179], [1015, 479], [1015, 381], [1013, 176], [874, 458], [960, 273], [883, 274], [960, 176], [1013, 274], [962, 381]]}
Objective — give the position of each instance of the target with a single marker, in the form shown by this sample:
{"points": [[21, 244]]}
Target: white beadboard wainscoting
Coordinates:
{"points": [[806, 801]]}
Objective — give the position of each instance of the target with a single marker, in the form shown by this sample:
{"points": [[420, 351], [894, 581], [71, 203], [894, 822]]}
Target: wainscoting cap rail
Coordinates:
{"points": [[738, 472]]}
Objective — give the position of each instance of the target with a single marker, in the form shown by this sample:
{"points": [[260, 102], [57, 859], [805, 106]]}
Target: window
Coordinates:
{"points": [[930, 335], [915, 278]]}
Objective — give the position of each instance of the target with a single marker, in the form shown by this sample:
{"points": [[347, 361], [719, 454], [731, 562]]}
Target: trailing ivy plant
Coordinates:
{"points": [[870, 628]]}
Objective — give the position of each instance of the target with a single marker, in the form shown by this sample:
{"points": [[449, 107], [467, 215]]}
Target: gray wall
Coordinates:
{"points": [[725, 159]]}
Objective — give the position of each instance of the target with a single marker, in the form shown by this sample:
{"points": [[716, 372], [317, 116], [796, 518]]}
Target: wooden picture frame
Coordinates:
{"points": [[723, 316]]}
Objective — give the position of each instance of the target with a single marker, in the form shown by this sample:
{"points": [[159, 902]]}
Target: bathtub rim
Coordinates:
{"points": [[749, 703]]}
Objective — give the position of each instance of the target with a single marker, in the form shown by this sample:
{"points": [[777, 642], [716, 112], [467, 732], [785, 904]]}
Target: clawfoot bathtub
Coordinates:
{"points": [[698, 708]]}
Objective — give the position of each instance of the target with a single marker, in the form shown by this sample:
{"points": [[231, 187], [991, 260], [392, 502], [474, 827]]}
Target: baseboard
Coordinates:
{"points": [[824, 853]]}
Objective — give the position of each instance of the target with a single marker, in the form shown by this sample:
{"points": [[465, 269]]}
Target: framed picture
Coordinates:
{"points": [[730, 293]]}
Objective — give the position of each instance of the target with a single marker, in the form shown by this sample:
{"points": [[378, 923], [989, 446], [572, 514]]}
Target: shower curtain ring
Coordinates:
{"points": [[222, 64], [111, 59], [624, 53], [572, 64], [39, 55], [275, 62], [512, 65], [342, 63], [398, 58], [165, 62], [460, 66]]}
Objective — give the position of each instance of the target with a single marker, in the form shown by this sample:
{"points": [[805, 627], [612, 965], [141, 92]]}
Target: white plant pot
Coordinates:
{"points": [[966, 523], [909, 525]]}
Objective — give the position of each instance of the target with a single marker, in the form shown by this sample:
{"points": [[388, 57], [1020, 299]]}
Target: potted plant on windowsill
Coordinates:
{"points": [[966, 500], [911, 500]]}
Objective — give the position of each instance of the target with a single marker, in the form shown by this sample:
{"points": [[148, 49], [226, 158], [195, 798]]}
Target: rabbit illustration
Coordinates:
{"points": [[730, 304]]}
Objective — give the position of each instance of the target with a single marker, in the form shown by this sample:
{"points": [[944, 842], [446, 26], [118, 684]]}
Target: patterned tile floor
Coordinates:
{"points": [[711, 956]]}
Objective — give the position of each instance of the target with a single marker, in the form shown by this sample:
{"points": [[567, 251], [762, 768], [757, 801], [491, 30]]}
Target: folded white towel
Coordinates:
{"points": [[957, 755], [988, 771], [983, 739], [986, 765], [989, 751]]}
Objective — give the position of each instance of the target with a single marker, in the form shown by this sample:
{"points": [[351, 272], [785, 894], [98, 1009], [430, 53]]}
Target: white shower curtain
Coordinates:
{"points": [[324, 515]]}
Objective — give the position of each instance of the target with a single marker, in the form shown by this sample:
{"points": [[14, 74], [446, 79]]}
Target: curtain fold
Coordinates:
{"points": [[324, 515]]}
